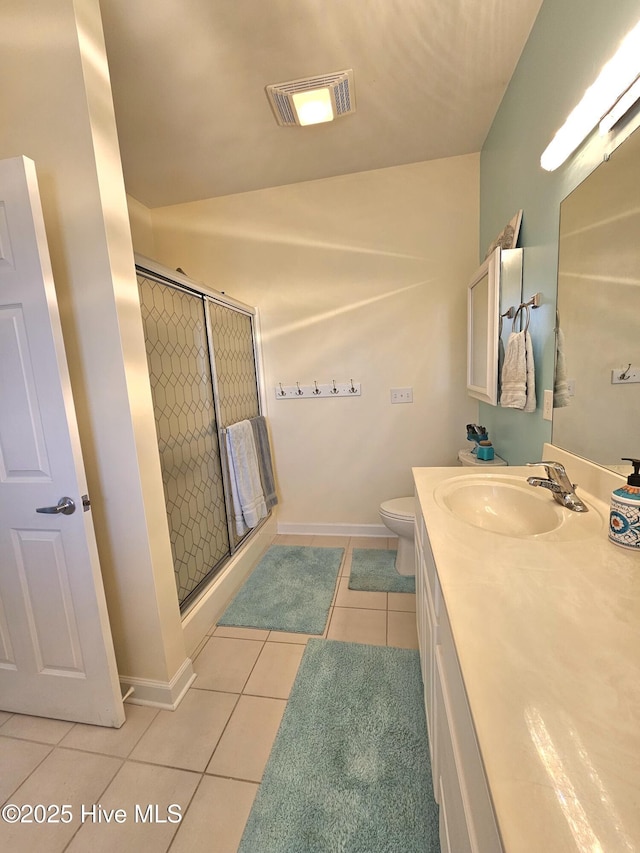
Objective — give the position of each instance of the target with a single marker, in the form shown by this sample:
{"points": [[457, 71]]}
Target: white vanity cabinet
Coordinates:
{"points": [[467, 822], [426, 624]]}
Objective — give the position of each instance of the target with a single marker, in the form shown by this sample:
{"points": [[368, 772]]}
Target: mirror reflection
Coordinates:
{"points": [[598, 412]]}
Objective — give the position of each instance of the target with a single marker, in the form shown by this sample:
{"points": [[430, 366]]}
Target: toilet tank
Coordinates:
{"points": [[467, 458]]}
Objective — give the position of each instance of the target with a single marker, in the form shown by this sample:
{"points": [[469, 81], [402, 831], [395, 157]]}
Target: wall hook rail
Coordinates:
{"points": [[625, 373], [318, 390]]}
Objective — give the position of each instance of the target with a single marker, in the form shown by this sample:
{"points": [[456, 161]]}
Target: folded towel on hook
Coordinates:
{"points": [[265, 464], [530, 404], [561, 396], [518, 381], [249, 505]]}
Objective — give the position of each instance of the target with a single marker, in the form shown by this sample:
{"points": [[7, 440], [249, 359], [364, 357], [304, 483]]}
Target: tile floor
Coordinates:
{"points": [[207, 757]]}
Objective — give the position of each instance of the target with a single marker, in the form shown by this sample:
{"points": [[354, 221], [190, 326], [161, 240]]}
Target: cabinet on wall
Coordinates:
{"points": [[467, 821]]}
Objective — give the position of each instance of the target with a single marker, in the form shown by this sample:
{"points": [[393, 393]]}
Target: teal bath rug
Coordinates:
{"points": [[349, 771], [290, 589], [373, 570]]}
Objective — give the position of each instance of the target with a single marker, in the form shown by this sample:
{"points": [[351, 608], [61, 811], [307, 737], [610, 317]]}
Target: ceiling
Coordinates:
{"points": [[194, 122]]}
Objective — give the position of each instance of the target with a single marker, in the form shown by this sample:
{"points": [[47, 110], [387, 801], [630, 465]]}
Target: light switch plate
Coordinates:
{"points": [[547, 406]]}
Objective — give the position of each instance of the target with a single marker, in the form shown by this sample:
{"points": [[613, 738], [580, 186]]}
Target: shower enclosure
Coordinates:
{"points": [[201, 353]]}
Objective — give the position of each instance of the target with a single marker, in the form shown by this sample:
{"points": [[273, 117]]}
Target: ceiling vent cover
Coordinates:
{"points": [[339, 84]]}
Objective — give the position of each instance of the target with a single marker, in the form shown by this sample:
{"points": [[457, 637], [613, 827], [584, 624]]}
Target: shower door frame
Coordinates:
{"points": [[181, 282]]}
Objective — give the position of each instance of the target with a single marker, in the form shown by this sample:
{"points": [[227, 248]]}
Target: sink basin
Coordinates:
{"points": [[511, 507]]}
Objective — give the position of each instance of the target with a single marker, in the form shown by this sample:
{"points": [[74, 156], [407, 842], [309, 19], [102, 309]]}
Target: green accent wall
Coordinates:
{"points": [[570, 42]]}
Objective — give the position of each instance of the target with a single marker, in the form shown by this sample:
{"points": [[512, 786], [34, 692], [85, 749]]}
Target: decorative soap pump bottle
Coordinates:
{"points": [[624, 520]]}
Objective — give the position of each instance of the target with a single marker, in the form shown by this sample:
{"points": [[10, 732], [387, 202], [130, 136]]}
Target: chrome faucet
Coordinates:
{"points": [[559, 485]]}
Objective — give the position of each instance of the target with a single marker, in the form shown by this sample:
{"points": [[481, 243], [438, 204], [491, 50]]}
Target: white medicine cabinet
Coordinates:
{"points": [[496, 283]]}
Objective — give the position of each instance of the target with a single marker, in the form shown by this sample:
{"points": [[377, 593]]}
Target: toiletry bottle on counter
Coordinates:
{"points": [[624, 520]]}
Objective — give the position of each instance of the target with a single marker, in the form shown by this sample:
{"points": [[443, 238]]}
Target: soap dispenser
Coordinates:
{"points": [[624, 520]]}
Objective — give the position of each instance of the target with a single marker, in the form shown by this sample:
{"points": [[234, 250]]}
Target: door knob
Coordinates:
{"points": [[65, 506]]}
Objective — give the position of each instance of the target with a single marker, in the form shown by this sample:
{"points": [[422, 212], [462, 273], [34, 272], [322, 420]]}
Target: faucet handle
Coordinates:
{"points": [[550, 466], [556, 472]]}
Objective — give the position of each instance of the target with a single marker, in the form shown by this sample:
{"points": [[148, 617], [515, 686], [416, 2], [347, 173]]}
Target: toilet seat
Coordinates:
{"points": [[404, 509]]}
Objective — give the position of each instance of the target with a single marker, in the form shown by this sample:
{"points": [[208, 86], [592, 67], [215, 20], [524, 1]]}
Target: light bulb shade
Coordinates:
{"points": [[312, 100], [313, 107]]}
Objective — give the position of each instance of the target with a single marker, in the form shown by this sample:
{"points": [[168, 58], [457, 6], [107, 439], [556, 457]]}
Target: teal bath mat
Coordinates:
{"points": [[373, 570], [290, 589], [349, 771]]}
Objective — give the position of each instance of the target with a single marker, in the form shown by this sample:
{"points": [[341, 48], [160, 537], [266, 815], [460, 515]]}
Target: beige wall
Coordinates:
{"points": [[141, 228], [358, 277], [57, 108]]}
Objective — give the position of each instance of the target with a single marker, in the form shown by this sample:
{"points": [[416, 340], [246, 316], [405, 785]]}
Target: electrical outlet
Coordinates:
{"points": [[547, 406], [402, 395]]}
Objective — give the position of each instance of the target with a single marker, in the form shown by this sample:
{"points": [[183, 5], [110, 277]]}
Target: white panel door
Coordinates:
{"points": [[56, 651]]}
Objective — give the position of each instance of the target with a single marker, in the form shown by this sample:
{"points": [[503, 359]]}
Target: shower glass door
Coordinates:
{"points": [[179, 361]]}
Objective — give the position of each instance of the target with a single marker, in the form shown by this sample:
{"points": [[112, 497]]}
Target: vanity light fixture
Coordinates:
{"points": [[617, 78], [312, 100], [620, 108]]}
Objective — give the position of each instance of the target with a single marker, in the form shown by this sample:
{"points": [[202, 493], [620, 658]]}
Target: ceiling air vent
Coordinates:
{"points": [[337, 89]]}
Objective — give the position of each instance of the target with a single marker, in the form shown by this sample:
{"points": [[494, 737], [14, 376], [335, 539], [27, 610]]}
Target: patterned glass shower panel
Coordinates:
{"points": [[235, 364], [181, 385]]}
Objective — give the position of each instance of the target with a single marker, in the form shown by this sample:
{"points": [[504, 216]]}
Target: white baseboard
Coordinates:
{"points": [[311, 529], [159, 694]]}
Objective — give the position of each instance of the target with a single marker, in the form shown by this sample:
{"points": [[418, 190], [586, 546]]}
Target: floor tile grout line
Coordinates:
{"points": [[185, 813], [97, 799], [255, 663], [224, 729], [33, 770]]}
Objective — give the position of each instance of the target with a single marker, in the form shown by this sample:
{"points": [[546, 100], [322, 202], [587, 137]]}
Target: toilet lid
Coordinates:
{"points": [[399, 507]]}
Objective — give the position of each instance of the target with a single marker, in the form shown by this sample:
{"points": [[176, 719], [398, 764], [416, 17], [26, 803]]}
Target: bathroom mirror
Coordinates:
{"points": [[483, 299], [599, 312]]}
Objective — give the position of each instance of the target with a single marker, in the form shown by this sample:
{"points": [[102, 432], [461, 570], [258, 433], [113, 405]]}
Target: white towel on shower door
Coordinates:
{"points": [[249, 505]]}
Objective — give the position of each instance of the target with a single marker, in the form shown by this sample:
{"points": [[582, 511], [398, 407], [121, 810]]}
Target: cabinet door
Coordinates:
{"points": [[459, 760], [454, 833], [426, 622]]}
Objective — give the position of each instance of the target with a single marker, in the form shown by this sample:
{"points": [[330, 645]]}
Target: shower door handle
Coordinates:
{"points": [[66, 506]]}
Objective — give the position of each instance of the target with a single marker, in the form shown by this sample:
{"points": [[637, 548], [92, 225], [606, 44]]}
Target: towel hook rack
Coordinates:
{"points": [[625, 373]]}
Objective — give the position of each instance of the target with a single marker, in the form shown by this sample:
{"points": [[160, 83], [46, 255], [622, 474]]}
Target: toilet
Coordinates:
{"points": [[399, 515]]}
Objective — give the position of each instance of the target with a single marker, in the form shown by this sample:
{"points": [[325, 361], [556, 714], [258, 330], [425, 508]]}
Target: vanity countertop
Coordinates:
{"points": [[548, 639]]}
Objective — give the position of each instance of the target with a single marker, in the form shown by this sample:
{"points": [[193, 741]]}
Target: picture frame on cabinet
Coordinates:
{"points": [[508, 237]]}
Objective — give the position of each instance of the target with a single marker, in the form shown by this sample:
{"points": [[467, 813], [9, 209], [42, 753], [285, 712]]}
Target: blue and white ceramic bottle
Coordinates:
{"points": [[624, 519]]}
